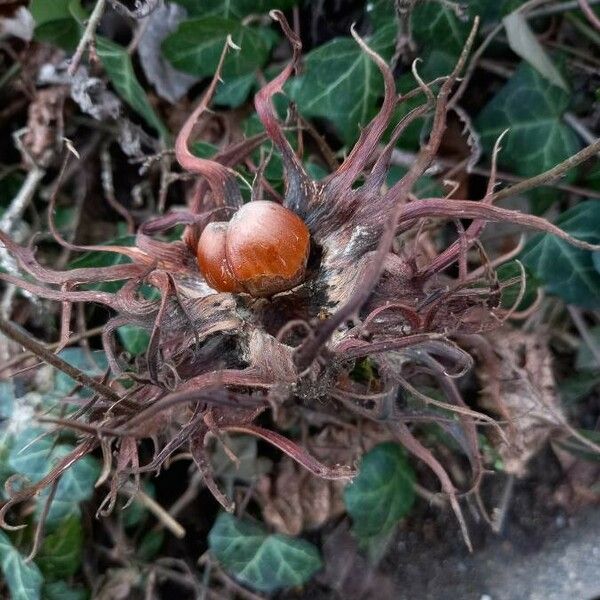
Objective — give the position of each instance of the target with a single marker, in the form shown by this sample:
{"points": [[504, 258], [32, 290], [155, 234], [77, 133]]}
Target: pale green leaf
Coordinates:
{"points": [[60, 590], [135, 339], [579, 386], [382, 492], [61, 551], [33, 457], [234, 91], [92, 363], [75, 486], [262, 561], [117, 64], [586, 361], [567, 271], [436, 25], [531, 108], [30, 454], [44, 11], [196, 45], [342, 84], [24, 580], [525, 44]]}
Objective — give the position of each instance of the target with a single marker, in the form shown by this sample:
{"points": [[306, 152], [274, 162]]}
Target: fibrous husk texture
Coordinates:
{"points": [[218, 361]]}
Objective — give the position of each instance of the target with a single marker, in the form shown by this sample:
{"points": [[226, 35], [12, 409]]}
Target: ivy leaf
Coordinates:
{"points": [[136, 513], [60, 590], [196, 45], [382, 493], [578, 386], [64, 33], [586, 361], [97, 258], [531, 108], [150, 544], [436, 25], [30, 454], [525, 44], [134, 338], [232, 9], [566, 271], [75, 486], [43, 11], [511, 270], [264, 562], [234, 91], [33, 457], [93, 365], [380, 13], [7, 399], [118, 67], [55, 24], [61, 551], [24, 580], [342, 84]]}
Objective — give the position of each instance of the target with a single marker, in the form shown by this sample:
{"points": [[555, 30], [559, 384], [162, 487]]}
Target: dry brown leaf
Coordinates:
{"points": [[293, 500], [43, 139], [521, 388], [582, 485]]}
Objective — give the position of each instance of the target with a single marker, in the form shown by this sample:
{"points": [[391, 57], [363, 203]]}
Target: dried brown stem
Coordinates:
{"points": [[24, 339]]}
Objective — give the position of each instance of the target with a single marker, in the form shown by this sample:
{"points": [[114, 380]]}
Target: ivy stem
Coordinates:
{"points": [[18, 335], [549, 175], [88, 34]]}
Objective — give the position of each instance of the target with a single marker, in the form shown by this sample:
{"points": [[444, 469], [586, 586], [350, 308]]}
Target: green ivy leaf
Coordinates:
{"points": [[578, 386], [75, 486], [136, 513], [586, 361], [60, 590], [380, 13], [567, 271], [150, 544], [24, 580], [134, 338], [511, 270], [196, 45], [33, 457], [436, 25], [30, 454], [7, 399], [104, 259], [61, 551], [43, 11], [383, 491], [264, 562], [93, 365], [232, 9], [342, 84], [234, 91], [6, 441], [55, 23], [64, 33], [118, 67], [532, 109]]}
